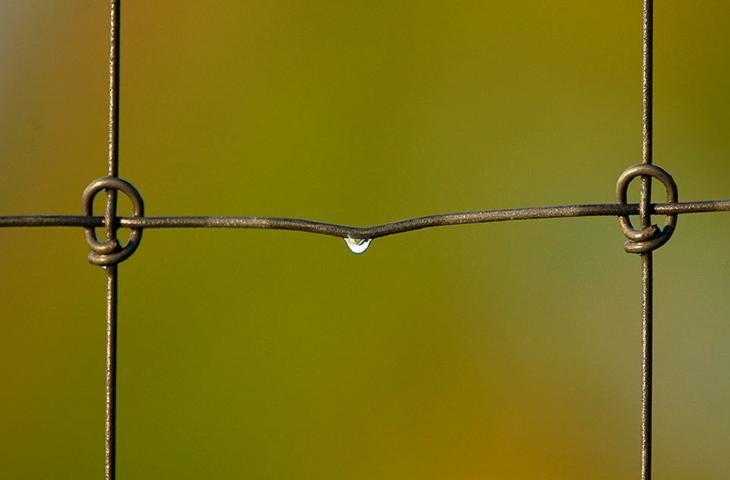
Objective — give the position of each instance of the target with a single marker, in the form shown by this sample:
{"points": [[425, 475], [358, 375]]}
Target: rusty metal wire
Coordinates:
{"points": [[643, 240], [649, 237], [645, 246], [302, 225], [110, 253]]}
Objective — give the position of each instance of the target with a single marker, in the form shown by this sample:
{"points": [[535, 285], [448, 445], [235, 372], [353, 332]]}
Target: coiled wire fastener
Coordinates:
{"points": [[111, 252], [652, 237]]}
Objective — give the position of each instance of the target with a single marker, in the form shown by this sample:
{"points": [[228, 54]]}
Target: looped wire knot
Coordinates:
{"points": [[111, 251], [649, 238]]}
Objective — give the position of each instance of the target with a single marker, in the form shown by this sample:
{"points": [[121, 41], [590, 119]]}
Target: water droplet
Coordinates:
{"points": [[357, 245]]}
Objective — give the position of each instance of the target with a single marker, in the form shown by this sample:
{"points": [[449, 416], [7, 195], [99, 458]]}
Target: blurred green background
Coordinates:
{"points": [[499, 351]]}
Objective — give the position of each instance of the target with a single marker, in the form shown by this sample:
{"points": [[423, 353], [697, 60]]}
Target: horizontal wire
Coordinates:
{"points": [[375, 231]]}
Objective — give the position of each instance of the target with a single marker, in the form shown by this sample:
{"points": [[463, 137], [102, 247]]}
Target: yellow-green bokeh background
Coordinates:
{"points": [[500, 351]]}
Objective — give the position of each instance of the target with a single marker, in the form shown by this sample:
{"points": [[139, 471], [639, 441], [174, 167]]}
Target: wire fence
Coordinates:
{"points": [[110, 251]]}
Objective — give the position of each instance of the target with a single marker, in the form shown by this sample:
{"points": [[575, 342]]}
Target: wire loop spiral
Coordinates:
{"points": [[111, 252], [649, 238]]}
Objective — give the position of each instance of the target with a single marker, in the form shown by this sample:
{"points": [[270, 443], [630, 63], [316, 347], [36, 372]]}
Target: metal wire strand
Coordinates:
{"points": [[110, 433], [110, 227], [375, 231], [114, 67], [647, 261]]}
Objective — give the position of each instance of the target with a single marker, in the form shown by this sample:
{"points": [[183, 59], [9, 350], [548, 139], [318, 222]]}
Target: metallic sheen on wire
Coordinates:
{"points": [[110, 454], [311, 226], [647, 262]]}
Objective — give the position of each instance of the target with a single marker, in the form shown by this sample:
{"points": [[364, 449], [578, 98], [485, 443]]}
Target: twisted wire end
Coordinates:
{"points": [[111, 251], [647, 239]]}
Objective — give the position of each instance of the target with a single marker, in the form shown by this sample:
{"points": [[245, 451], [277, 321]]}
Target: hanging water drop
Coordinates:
{"points": [[357, 245]]}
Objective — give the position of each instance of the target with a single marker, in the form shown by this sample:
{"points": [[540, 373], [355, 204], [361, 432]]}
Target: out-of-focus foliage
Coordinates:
{"points": [[502, 351]]}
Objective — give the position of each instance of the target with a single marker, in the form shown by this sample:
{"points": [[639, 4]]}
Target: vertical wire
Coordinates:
{"points": [[647, 261], [647, 80], [111, 373], [647, 334], [647, 124], [113, 160], [110, 227], [114, 47]]}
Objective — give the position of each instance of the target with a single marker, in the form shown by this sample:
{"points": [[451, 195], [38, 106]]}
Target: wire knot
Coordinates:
{"points": [[647, 239], [112, 251]]}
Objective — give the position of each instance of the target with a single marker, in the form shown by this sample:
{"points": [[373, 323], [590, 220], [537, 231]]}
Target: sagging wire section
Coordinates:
{"points": [[111, 252], [382, 230]]}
